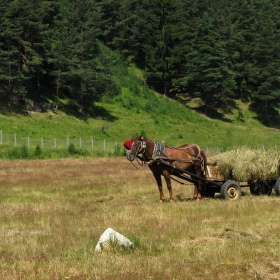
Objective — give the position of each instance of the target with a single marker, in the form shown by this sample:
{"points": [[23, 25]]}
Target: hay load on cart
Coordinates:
{"points": [[258, 168]]}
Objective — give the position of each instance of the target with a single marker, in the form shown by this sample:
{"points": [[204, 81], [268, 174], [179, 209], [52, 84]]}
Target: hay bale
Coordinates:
{"points": [[245, 164]]}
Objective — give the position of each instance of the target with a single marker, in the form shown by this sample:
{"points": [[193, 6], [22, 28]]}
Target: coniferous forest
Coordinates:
{"points": [[219, 51]]}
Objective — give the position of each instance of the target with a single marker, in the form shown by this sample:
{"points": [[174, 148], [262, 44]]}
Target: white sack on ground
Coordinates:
{"points": [[113, 236]]}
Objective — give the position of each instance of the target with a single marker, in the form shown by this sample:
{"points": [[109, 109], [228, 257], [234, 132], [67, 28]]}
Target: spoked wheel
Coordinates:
{"points": [[230, 190]]}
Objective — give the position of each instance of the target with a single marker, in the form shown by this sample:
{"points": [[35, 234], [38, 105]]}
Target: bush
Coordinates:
{"points": [[240, 116], [24, 152], [18, 153], [72, 150], [38, 152], [14, 153]]}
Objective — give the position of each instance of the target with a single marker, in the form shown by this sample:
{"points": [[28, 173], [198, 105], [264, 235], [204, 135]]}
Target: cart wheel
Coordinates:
{"points": [[230, 190], [277, 186], [259, 188], [254, 189]]}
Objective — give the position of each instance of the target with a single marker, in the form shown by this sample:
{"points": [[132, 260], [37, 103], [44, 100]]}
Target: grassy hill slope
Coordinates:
{"points": [[140, 110], [170, 122]]}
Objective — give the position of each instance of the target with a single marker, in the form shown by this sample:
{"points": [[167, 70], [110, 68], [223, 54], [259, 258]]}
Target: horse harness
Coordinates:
{"points": [[159, 153]]}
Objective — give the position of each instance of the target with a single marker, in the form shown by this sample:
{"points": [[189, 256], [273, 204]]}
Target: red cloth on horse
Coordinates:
{"points": [[128, 144]]}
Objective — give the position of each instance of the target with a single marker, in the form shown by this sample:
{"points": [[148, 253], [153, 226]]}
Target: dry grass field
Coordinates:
{"points": [[54, 211]]}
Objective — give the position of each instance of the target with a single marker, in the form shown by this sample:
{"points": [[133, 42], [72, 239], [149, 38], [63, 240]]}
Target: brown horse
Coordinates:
{"points": [[189, 157]]}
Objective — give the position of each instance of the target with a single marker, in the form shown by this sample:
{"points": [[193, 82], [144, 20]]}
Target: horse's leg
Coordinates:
{"points": [[195, 191], [166, 175], [195, 187], [199, 195], [159, 183], [199, 183]]}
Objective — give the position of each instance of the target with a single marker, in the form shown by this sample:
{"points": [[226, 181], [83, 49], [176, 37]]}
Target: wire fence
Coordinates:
{"points": [[90, 144], [14, 140]]}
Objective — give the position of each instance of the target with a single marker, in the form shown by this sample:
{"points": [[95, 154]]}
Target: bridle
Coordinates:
{"points": [[138, 148]]}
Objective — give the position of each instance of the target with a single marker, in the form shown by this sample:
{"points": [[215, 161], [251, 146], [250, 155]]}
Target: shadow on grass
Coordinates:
{"points": [[208, 111], [71, 109], [212, 113], [179, 198], [94, 111], [217, 196], [269, 118], [43, 105]]}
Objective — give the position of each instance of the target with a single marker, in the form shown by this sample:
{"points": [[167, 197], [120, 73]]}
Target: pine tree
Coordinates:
{"points": [[266, 59], [109, 21], [10, 69], [184, 32], [207, 72], [77, 56], [159, 42], [29, 16], [239, 44]]}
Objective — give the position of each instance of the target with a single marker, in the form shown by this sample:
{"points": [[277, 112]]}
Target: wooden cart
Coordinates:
{"points": [[228, 189]]}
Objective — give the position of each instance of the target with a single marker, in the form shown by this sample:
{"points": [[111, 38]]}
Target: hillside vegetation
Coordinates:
{"points": [[175, 71], [139, 110], [53, 51]]}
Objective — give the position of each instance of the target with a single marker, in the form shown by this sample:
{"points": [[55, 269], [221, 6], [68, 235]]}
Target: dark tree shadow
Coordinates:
{"points": [[269, 118], [212, 113], [94, 111], [43, 105], [208, 111]]}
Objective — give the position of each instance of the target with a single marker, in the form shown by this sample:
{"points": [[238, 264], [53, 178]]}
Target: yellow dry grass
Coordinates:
{"points": [[245, 164], [53, 212]]}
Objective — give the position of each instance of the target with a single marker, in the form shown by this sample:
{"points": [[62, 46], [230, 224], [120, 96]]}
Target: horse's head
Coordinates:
{"points": [[135, 146]]}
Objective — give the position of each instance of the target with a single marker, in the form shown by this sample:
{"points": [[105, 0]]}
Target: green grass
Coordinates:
{"points": [[53, 213], [140, 110]]}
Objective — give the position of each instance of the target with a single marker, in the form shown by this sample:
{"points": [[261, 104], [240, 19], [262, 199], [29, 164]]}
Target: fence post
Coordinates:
{"points": [[15, 139], [28, 141], [92, 143], [67, 142], [0, 136], [80, 143], [104, 144], [42, 143], [55, 143]]}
